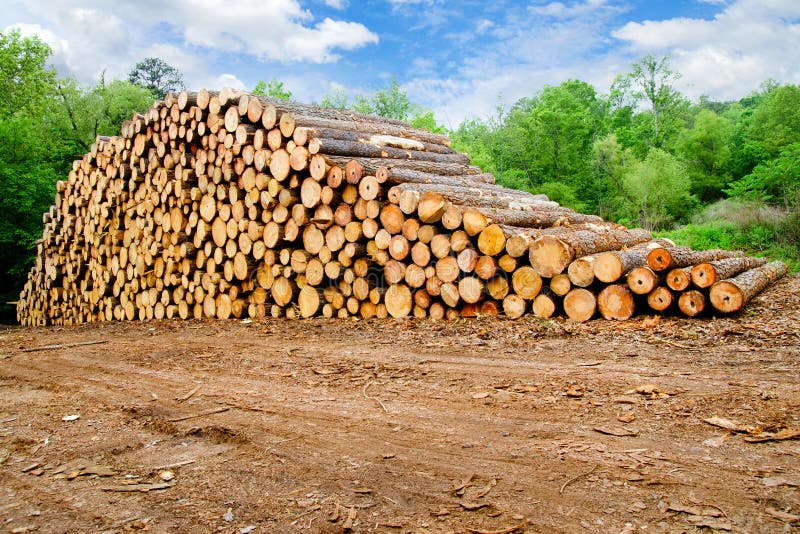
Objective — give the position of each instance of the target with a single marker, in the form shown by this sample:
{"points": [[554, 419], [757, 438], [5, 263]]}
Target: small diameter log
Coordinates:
{"points": [[661, 259], [544, 306], [642, 280], [550, 255], [679, 279], [581, 270], [705, 274], [615, 302], [560, 284], [580, 304], [660, 299], [514, 306], [729, 296], [691, 302]]}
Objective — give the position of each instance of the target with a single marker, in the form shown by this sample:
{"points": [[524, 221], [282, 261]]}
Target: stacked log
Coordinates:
{"points": [[233, 205]]}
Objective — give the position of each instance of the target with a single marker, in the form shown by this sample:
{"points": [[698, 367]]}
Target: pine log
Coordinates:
{"points": [[660, 299], [550, 255], [661, 259], [642, 280], [704, 275], [731, 295], [612, 265], [340, 147], [679, 279], [413, 171], [615, 301], [580, 304], [544, 306], [692, 302], [538, 218]]}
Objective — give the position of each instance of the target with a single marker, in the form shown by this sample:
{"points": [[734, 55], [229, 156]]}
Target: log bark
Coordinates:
{"points": [[664, 258], [704, 275], [550, 255], [731, 295]]}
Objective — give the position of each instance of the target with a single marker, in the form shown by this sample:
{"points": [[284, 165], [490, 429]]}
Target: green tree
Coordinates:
{"points": [[156, 75], [658, 190], [32, 156], [776, 181], [651, 83], [609, 162], [550, 136], [706, 150], [274, 89], [775, 123], [98, 110], [25, 80]]}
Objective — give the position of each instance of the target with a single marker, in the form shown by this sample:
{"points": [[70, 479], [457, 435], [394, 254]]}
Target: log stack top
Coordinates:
{"points": [[228, 204]]}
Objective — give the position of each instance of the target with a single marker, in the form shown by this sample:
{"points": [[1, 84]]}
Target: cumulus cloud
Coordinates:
{"points": [[729, 55], [89, 36]]}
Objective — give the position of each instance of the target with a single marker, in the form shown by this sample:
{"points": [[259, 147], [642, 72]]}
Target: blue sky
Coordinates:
{"points": [[461, 59]]}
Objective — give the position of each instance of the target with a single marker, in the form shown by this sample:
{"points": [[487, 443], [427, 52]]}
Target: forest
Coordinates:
{"points": [[707, 174]]}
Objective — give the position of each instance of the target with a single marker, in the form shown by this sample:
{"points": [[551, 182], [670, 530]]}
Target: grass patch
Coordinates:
{"points": [[754, 239]]}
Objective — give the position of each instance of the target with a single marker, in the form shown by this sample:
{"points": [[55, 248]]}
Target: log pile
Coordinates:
{"points": [[233, 205]]}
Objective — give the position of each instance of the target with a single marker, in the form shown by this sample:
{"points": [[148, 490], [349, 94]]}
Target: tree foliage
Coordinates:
{"points": [[274, 89], [156, 75]]}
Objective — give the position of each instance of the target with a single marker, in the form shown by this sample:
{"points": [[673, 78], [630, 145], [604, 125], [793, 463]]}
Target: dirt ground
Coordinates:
{"points": [[484, 425]]}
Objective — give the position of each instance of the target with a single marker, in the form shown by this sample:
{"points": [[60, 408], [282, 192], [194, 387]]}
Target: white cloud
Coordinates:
{"points": [[336, 4], [729, 55], [91, 36]]}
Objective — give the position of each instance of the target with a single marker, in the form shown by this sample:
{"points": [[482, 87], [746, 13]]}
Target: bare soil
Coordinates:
{"points": [[405, 426]]}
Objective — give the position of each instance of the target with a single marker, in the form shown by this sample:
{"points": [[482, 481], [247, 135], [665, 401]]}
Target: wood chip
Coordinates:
{"points": [[64, 346], [129, 488], [727, 424], [508, 530], [189, 395], [352, 514], [786, 517], [472, 506], [695, 510], [709, 522], [615, 431], [201, 414], [777, 436]]}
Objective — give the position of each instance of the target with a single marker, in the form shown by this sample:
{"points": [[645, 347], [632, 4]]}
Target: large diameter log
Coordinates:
{"points": [[615, 301], [661, 259], [580, 304], [705, 274], [550, 255], [729, 296]]}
